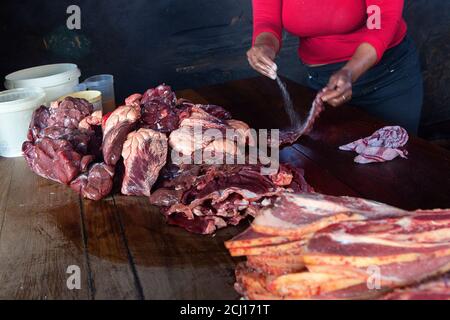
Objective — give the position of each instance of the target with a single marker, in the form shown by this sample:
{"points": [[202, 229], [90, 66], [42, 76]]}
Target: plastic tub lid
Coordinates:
{"points": [[43, 76], [21, 99]]}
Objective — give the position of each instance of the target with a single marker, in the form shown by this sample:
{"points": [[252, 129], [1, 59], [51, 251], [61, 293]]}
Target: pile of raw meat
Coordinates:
{"points": [[131, 148], [311, 246]]}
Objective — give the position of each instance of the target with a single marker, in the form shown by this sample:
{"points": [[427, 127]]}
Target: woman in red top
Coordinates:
{"points": [[369, 61]]}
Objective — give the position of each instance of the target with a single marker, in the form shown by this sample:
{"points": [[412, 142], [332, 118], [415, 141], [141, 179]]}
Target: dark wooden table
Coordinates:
{"points": [[125, 250]]}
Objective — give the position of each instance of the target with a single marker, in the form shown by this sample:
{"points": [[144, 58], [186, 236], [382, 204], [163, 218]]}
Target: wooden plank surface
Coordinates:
{"points": [[125, 249], [112, 274], [40, 238]]}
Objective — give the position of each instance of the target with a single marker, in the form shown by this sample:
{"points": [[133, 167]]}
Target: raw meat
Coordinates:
{"points": [[364, 258], [69, 113], [57, 148], [438, 289], [225, 193], [291, 136], [302, 214], [95, 184], [55, 160], [144, 154], [158, 109], [119, 124], [192, 136], [384, 145]]}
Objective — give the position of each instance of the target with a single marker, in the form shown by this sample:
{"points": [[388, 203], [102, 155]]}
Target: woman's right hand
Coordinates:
{"points": [[261, 57]]}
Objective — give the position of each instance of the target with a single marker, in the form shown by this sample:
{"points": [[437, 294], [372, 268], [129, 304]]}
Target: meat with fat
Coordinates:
{"points": [[119, 124], [302, 214], [144, 154]]}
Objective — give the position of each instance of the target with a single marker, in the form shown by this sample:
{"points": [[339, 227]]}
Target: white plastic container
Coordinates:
{"points": [[56, 79], [16, 110]]}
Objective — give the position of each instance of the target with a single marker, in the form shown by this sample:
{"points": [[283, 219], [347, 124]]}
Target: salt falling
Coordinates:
{"points": [[288, 105]]}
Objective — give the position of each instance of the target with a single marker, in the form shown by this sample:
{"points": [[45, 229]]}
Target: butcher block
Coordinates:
{"points": [[56, 245]]}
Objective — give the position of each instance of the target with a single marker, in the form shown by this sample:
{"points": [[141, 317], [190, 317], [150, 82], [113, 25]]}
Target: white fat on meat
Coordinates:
{"points": [[95, 119], [122, 114]]}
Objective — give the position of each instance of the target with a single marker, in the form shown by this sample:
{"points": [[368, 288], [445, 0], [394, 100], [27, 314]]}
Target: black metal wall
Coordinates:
{"points": [[188, 43]]}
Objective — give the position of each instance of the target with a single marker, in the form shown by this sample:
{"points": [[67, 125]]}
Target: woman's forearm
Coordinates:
{"points": [[364, 58], [268, 39]]}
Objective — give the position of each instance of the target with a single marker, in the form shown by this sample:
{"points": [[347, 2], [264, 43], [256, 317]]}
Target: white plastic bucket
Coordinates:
{"points": [[16, 110], [56, 79]]}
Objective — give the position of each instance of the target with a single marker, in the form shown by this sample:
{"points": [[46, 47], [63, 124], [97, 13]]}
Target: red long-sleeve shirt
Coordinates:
{"points": [[330, 31]]}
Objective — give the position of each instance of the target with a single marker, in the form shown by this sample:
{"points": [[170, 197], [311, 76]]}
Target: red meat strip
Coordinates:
{"points": [[291, 136], [96, 184], [144, 153]]}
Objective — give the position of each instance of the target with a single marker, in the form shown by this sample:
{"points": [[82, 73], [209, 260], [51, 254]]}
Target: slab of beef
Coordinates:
{"points": [[117, 127], [223, 195], [364, 258], [56, 160], [159, 109], [69, 113], [193, 136], [302, 214], [95, 184], [58, 148], [144, 154]]}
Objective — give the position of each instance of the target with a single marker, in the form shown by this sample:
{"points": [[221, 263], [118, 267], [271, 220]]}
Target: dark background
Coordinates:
{"points": [[191, 43]]}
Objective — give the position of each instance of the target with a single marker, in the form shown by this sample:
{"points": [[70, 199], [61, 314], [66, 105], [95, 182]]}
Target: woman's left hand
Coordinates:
{"points": [[339, 88]]}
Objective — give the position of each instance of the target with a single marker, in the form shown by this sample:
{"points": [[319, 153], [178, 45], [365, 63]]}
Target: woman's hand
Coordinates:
{"points": [[263, 53], [261, 59], [339, 88]]}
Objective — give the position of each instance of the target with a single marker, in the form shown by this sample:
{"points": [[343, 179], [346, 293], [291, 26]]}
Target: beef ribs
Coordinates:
{"points": [[119, 124], [95, 184], [144, 154]]}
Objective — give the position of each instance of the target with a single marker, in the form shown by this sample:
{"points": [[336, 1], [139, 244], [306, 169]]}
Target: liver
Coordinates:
{"points": [[123, 246]]}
